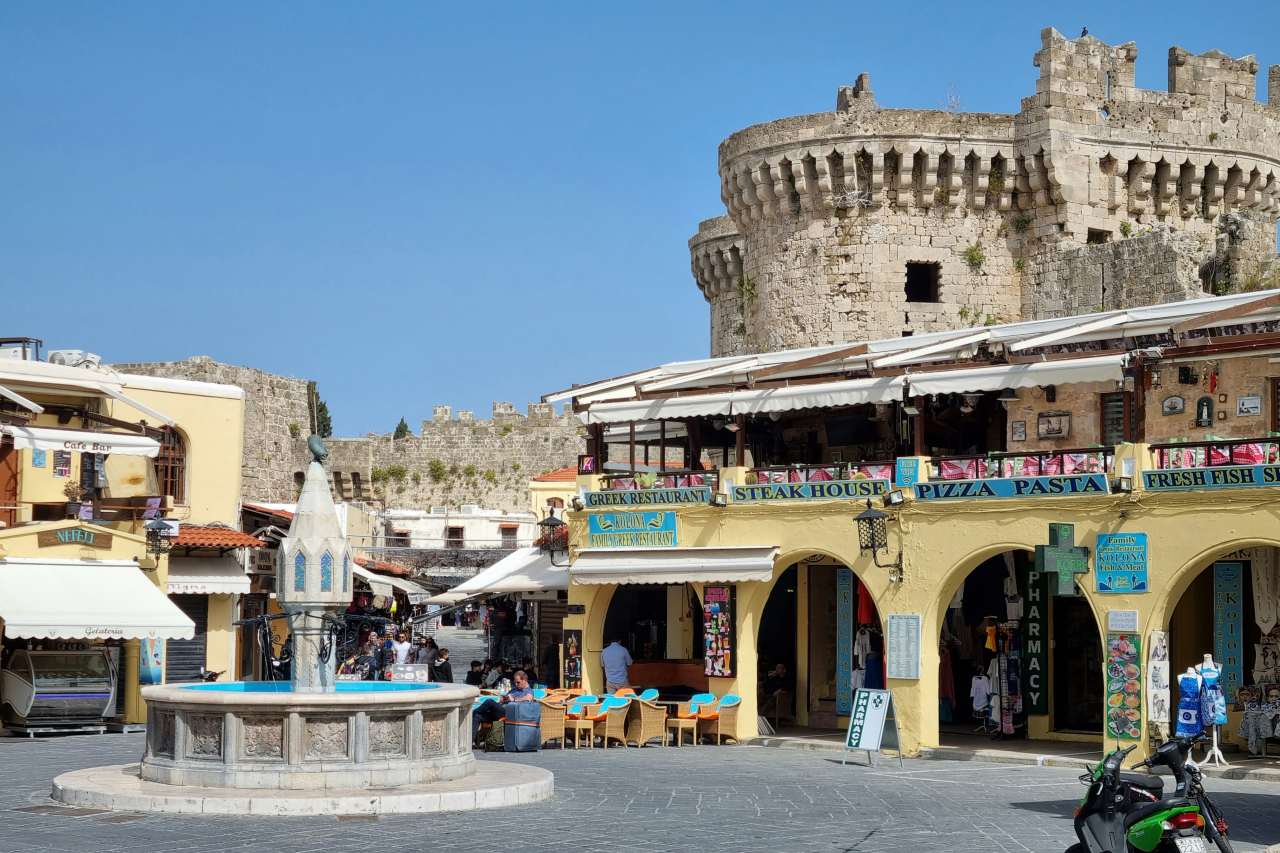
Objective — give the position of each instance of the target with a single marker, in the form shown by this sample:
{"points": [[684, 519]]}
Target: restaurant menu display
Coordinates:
{"points": [[1124, 686], [717, 630]]}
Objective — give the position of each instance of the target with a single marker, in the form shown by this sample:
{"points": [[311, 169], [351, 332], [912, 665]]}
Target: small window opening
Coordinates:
{"points": [[924, 282], [1097, 236]]}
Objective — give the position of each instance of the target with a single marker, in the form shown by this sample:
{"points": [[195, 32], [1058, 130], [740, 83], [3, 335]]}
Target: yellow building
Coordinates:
{"points": [[1136, 449], [89, 458]]}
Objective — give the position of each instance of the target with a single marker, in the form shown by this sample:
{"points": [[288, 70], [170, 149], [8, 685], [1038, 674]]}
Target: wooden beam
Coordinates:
{"points": [[1204, 321], [811, 361], [740, 442]]}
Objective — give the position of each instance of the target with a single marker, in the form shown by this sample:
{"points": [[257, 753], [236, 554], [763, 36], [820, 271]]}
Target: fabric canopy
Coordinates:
{"points": [[207, 576], [849, 392], [86, 599], [1097, 369], [524, 570], [673, 565], [383, 585], [80, 441], [447, 598]]}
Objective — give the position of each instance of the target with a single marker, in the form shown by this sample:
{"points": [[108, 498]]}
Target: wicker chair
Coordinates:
{"points": [[646, 721], [721, 719], [552, 722], [610, 720]]}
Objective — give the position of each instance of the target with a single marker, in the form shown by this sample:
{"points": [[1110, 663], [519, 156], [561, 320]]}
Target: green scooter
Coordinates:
{"points": [[1120, 814]]}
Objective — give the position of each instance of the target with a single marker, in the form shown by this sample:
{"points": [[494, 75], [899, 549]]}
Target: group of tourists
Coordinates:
{"points": [[374, 657]]}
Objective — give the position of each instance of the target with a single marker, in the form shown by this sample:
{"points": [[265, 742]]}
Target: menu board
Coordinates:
{"points": [[903, 645], [1124, 686], [718, 630]]}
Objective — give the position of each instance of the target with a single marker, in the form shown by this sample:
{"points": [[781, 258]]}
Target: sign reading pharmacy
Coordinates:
{"points": [[631, 530], [831, 490], [1226, 477], [1014, 487], [649, 497]]}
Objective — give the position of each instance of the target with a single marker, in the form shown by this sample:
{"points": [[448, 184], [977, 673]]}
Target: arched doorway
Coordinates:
{"points": [[661, 625], [776, 649], [1016, 659]]}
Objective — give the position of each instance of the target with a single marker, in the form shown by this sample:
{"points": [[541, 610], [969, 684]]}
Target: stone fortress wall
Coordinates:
{"points": [[1095, 195], [453, 460]]}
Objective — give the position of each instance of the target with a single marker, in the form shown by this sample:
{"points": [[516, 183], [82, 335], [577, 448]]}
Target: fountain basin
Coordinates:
{"points": [[263, 735]]}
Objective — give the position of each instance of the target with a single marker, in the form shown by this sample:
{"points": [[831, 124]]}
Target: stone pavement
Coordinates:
{"points": [[711, 799]]}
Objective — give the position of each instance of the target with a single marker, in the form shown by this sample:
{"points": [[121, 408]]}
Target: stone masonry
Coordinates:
{"points": [[870, 222]]}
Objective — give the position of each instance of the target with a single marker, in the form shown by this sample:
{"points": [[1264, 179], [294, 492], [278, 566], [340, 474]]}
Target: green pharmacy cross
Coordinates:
{"points": [[1063, 557]]}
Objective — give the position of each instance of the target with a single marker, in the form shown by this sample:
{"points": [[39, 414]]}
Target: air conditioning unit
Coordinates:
{"points": [[470, 509], [74, 358], [439, 510], [15, 353]]}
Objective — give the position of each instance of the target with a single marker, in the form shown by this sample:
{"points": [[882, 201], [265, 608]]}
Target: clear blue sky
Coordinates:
{"points": [[416, 203]]}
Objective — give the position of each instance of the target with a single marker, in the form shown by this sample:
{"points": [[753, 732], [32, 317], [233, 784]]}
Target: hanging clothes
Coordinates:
{"points": [[980, 693], [946, 686], [874, 677], [1189, 720], [866, 607], [1265, 569], [990, 643], [862, 647]]}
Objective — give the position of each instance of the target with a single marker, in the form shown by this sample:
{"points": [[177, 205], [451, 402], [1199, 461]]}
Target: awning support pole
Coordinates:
{"points": [[740, 442]]}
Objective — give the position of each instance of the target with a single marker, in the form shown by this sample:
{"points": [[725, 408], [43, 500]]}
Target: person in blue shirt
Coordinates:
{"points": [[491, 709], [616, 659]]}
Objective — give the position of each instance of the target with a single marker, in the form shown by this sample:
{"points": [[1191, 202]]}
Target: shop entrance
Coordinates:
{"points": [[661, 626], [1077, 666], [776, 664]]}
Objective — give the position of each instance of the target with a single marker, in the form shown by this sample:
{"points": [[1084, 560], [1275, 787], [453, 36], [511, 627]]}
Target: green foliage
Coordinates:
{"points": [[1213, 136], [490, 476], [515, 466], [321, 423], [416, 477], [402, 429], [454, 469], [397, 472], [1126, 229], [974, 256], [469, 472], [505, 430], [378, 475], [1021, 223], [295, 429], [436, 470], [1019, 264]]}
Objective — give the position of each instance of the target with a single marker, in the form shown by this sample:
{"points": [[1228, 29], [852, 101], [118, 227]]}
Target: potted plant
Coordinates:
{"points": [[74, 493]]}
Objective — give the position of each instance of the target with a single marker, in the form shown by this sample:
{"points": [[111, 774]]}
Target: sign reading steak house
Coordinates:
{"points": [[649, 497], [1226, 477], [1014, 487], [832, 490]]}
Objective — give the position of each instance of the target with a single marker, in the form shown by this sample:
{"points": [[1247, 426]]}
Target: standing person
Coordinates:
{"points": [[616, 659], [401, 647], [441, 670], [376, 655]]}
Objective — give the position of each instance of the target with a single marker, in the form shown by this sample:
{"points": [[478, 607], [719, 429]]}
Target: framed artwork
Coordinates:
{"points": [[586, 463], [1053, 425], [1248, 406], [719, 634], [572, 675], [1173, 405], [1018, 431]]}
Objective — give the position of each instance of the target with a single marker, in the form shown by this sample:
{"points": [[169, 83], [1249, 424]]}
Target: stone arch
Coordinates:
{"points": [[1181, 579]]}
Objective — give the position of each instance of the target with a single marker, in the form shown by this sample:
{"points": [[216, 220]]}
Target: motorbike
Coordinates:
{"points": [[1190, 784], [1124, 812]]}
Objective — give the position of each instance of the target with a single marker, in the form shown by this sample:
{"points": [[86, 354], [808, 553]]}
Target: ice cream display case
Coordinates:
{"points": [[54, 691]]}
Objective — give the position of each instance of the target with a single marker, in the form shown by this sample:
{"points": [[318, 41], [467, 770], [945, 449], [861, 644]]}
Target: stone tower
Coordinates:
{"points": [[873, 222]]}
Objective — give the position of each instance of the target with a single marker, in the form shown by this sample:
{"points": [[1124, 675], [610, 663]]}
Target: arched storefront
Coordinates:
{"points": [[661, 625]]}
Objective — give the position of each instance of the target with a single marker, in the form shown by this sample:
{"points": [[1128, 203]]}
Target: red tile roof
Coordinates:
{"points": [[194, 536], [266, 510], [560, 475], [383, 566]]}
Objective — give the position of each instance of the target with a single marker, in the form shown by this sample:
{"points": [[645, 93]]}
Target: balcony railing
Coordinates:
{"points": [[1086, 460], [1211, 454], [632, 480], [822, 473]]}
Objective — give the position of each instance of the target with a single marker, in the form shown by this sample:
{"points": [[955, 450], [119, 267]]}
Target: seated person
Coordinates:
{"points": [[491, 709], [476, 676], [527, 666]]}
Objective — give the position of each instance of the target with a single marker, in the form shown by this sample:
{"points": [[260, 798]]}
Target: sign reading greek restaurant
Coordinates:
{"points": [[1226, 477], [831, 490], [1120, 563], [649, 497], [1014, 487], [631, 530]]}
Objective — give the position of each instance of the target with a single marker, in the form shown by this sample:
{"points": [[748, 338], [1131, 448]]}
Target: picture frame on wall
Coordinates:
{"points": [[1018, 431], [586, 463], [1053, 425], [1174, 404], [1248, 406]]}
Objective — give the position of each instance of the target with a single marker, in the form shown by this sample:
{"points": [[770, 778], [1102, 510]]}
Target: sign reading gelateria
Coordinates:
{"points": [[831, 490], [1226, 477], [1014, 487], [649, 497], [631, 530]]}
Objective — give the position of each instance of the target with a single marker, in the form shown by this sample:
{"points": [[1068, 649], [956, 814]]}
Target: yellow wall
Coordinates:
{"points": [[943, 541], [540, 492]]}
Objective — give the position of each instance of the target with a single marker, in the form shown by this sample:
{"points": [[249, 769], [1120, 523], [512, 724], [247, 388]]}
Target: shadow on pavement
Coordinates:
{"points": [[1253, 818]]}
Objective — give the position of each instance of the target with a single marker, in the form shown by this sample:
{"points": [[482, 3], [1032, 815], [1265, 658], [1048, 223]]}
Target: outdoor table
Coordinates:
{"points": [[678, 725], [577, 726]]}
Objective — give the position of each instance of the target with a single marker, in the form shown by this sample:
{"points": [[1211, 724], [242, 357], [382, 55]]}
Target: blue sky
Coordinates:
{"points": [[415, 203]]}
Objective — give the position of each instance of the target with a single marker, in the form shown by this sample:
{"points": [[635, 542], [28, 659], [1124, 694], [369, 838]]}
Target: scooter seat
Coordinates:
{"points": [[1145, 781], [1148, 809]]}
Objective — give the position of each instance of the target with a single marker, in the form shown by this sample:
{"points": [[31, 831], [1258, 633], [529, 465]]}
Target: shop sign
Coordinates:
{"points": [[631, 530], [418, 672], [1121, 563], [1014, 487], [831, 490], [1228, 624], [1122, 620], [1062, 557], [1225, 477], [872, 709], [572, 674], [844, 640], [649, 497], [906, 470], [74, 536], [903, 645], [719, 637], [1035, 631], [1124, 686]]}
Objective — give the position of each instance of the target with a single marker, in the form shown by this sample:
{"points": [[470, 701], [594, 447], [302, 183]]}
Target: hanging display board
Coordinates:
{"points": [[572, 659], [872, 711], [1228, 624], [903, 645], [1124, 686], [718, 633], [1035, 632], [844, 641], [1158, 698], [1120, 562]]}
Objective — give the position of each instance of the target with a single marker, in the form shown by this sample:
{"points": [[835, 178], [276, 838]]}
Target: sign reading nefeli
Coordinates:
{"points": [[649, 497], [74, 536], [631, 530], [831, 490], [1226, 477], [1014, 487]]}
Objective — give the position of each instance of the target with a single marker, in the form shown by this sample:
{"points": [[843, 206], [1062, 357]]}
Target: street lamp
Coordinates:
{"points": [[554, 537], [873, 537], [159, 537]]}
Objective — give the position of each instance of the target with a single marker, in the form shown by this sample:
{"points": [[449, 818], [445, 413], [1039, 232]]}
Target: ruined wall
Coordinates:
{"points": [[275, 408]]}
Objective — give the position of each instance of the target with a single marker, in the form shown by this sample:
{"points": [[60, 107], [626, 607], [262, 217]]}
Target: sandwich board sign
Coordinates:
{"points": [[872, 709]]}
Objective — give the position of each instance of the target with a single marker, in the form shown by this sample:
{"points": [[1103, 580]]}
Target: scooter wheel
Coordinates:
{"points": [[1077, 848]]}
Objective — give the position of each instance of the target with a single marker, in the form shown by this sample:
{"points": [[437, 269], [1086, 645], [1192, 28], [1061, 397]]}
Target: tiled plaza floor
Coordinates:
{"points": [[704, 798]]}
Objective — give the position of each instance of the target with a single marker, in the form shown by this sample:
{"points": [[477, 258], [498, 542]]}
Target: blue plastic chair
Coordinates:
{"points": [[697, 700], [576, 706]]}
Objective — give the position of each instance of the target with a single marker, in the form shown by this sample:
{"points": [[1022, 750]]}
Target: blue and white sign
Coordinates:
{"points": [[844, 641], [631, 530], [648, 497], [1014, 487], [1120, 563], [906, 470], [831, 490], [1228, 624], [1226, 477]]}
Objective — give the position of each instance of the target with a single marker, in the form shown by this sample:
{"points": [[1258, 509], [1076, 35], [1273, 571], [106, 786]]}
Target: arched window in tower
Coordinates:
{"points": [[299, 572], [171, 466], [346, 573], [326, 572]]}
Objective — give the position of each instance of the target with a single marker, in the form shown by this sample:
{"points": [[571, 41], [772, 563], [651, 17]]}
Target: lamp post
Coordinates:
{"points": [[159, 537], [873, 537], [552, 530]]}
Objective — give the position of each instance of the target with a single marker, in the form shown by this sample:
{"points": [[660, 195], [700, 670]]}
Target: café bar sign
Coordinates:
{"points": [[831, 490], [1226, 477], [648, 497], [631, 530], [74, 536], [1014, 487]]}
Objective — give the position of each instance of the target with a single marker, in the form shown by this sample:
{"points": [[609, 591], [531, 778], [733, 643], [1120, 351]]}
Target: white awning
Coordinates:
{"points": [[849, 392], [29, 405], [384, 584], [207, 576], [140, 406], [673, 565], [80, 441], [86, 599], [1097, 369], [447, 598], [526, 570]]}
